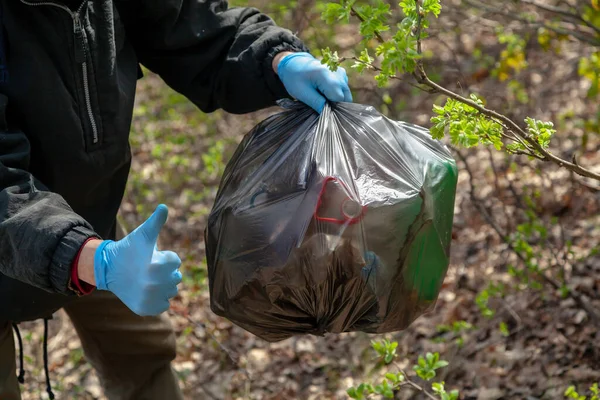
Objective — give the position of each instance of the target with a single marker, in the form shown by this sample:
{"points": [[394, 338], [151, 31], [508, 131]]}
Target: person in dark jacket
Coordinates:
{"points": [[68, 72]]}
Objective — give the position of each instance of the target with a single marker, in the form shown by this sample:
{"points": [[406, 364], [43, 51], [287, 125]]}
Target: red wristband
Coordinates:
{"points": [[83, 287]]}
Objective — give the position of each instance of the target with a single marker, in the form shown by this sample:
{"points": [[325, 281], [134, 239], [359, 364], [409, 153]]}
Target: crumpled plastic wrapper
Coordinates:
{"points": [[333, 223]]}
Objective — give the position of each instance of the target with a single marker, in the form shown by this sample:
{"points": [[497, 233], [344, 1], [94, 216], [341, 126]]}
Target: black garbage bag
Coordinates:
{"points": [[331, 223]]}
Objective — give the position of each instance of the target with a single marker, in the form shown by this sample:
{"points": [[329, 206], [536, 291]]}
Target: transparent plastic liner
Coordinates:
{"points": [[333, 223]]}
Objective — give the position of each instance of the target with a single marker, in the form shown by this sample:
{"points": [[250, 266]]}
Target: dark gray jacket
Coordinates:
{"points": [[67, 85]]}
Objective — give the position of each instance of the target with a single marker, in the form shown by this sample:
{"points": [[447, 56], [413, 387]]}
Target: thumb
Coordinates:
{"points": [[314, 99], [152, 226]]}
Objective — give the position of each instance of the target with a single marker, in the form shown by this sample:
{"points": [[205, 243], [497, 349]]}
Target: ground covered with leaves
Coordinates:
{"points": [[518, 317]]}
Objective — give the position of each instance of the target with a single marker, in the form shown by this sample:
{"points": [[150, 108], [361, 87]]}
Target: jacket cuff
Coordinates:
{"points": [[274, 84], [65, 253]]}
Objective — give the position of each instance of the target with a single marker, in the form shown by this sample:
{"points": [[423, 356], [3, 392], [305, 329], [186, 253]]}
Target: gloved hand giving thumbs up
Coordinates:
{"points": [[143, 277]]}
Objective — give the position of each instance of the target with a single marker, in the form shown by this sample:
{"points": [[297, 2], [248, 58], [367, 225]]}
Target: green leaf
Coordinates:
{"points": [[432, 6], [438, 130], [333, 12], [387, 99], [589, 68], [437, 387], [374, 19], [476, 99], [431, 359], [378, 347], [515, 148], [385, 389], [352, 393], [409, 8], [360, 67], [465, 125], [330, 58], [540, 130], [439, 110], [365, 56], [427, 365], [364, 388], [504, 329], [571, 393], [364, 61], [382, 79]]}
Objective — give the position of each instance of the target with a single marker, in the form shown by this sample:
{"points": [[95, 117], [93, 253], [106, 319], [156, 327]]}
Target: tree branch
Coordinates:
{"points": [[422, 78], [407, 381], [563, 12], [376, 68], [419, 25], [588, 38], [512, 125]]}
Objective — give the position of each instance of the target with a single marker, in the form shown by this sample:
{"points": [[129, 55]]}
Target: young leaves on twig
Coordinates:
{"points": [[427, 366], [466, 126], [438, 388], [466, 120], [385, 349], [394, 381]]}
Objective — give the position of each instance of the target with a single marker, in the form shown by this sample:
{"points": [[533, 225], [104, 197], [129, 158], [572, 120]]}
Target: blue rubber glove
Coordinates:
{"points": [[311, 82], [132, 268]]}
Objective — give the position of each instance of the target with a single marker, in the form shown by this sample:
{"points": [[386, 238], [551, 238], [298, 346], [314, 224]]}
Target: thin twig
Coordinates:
{"points": [[480, 346], [513, 313], [419, 25], [498, 189], [376, 68], [592, 188], [524, 153], [409, 382], [519, 139], [563, 12], [553, 9], [588, 38]]}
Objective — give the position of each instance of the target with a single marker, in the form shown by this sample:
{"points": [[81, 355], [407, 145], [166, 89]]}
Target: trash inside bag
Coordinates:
{"points": [[333, 223]]}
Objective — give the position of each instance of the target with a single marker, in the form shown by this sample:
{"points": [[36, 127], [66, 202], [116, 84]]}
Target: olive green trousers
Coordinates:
{"points": [[131, 354]]}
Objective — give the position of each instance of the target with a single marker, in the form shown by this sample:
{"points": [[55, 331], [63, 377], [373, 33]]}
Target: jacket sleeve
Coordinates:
{"points": [[40, 235], [218, 57]]}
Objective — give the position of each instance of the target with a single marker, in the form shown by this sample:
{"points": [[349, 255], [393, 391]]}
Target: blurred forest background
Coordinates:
{"points": [[518, 317]]}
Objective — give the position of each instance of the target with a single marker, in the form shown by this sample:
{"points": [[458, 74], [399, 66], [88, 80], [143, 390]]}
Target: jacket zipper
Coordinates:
{"points": [[80, 55]]}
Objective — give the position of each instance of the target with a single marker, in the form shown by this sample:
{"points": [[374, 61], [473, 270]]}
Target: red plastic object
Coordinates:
{"points": [[347, 219]]}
